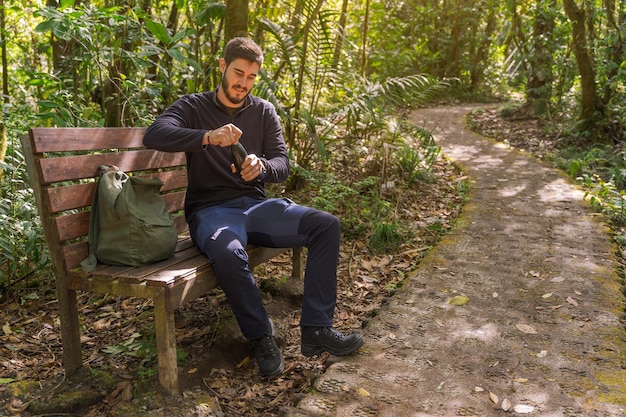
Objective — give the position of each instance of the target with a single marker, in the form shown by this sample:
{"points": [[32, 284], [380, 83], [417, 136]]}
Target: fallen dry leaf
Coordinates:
{"points": [[506, 404], [493, 397], [525, 328], [523, 409]]}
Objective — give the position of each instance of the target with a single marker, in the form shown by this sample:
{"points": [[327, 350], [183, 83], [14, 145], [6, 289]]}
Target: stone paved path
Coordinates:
{"points": [[540, 331]]}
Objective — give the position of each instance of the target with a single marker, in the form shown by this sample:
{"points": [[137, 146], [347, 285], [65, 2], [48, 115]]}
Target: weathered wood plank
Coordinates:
{"points": [[75, 167], [77, 196], [85, 139]]}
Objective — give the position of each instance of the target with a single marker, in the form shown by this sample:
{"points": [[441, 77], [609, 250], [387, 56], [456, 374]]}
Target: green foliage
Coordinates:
{"points": [[21, 234], [387, 237], [337, 87], [415, 162], [358, 204], [603, 161], [321, 98], [123, 64], [606, 198]]}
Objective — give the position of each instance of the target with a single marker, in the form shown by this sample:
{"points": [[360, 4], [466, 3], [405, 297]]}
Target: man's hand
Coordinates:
{"points": [[222, 136], [251, 168]]}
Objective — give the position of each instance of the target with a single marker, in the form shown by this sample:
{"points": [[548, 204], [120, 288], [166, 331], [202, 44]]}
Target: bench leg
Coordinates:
{"points": [[166, 345], [70, 331]]}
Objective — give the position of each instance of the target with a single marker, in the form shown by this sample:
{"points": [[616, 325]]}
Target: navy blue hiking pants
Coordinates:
{"points": [[222, 232]]}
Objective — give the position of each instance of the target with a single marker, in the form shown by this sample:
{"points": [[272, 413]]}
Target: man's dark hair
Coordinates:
{"points": [[243, 48]]}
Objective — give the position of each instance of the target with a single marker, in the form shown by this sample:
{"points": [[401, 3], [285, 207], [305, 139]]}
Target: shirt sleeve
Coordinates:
{"points": [[171, 131], [274, 155]]}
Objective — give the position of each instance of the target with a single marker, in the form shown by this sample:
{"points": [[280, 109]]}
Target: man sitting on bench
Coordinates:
{"points": [[226, 205]]}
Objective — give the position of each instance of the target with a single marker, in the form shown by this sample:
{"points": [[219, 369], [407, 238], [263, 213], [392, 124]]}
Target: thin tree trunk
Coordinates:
{"points": [[305, 48], [343, 18], [236, 19], [364, 41], [615, 45], [480, 51], [540, 75], [584, 60], [4, 140]]}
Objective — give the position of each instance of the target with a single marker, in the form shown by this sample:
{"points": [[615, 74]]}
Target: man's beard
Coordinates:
{"points": [[232, 99]]}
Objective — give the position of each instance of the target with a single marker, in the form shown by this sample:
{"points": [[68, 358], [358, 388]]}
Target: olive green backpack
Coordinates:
{"points": [[129, 223]]}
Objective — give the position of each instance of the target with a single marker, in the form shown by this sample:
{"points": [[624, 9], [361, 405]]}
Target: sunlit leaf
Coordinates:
{"points": [[159, 31], [244, 362], [459, 300]]}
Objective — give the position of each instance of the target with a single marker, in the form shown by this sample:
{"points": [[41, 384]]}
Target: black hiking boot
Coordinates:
{"points": [[268, 354], [316, 340]]}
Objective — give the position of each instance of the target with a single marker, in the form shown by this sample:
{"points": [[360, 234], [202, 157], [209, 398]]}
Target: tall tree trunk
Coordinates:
{"points": [[584, 60], [4, 141], [116, 112], [615, 45], [64, 52], [305, 49], [343, 18], [364, 41], [540, 75], [236, 19], [479, 47]]}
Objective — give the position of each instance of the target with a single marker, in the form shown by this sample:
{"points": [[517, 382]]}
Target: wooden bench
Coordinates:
{"points": [[63, 164]]}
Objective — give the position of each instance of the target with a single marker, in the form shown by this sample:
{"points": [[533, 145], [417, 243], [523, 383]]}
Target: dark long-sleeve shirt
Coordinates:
{"points": [[210, 181]]}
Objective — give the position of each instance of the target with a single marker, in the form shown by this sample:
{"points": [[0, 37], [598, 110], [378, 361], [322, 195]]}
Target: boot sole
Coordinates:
{"points": [[313, 350]]}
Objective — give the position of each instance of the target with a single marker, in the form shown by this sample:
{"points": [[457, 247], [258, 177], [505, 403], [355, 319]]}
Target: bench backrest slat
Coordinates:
{"points": [[69, 168], [74, 139], [80, 195], [65, 164]]}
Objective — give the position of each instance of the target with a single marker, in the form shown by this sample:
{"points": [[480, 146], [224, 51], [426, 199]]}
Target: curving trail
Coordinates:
{"points": [[540, 331]]}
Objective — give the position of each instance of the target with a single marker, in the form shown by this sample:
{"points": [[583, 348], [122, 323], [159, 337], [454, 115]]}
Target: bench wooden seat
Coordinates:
{"points": [[63, 164]]}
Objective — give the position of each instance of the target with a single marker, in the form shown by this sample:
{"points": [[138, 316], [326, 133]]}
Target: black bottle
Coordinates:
{"points": [[238, 154]]}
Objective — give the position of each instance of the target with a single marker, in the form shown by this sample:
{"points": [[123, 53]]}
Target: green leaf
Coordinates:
{"points": [[114, 350], [195, 65], [159, 31], [176, 54], [459, 300], [182, 34], [6, 380]]}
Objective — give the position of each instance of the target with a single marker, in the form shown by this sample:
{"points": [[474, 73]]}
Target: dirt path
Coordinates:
{"points": [[539, 333]]}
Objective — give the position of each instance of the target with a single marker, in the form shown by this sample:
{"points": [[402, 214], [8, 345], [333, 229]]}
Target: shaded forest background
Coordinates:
{"points": [[343, 74]]}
